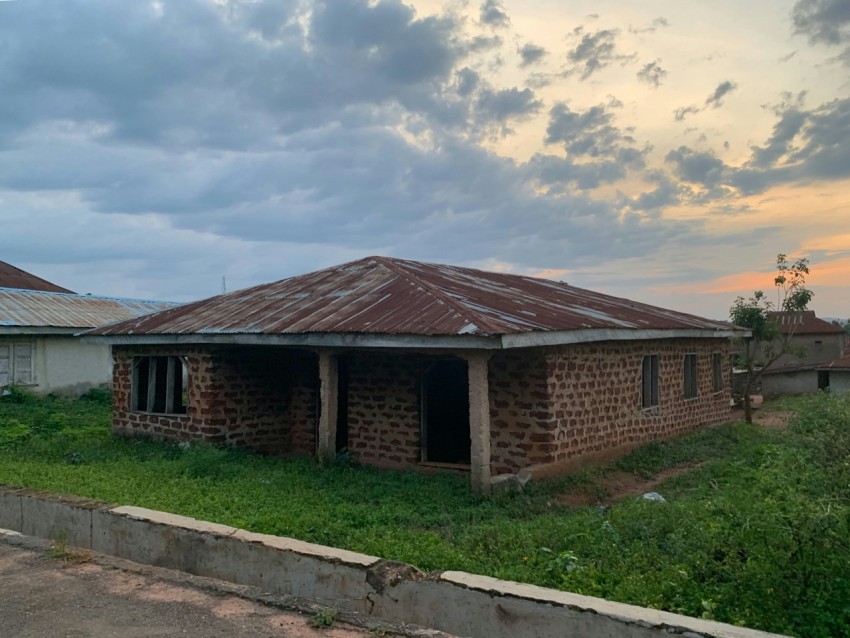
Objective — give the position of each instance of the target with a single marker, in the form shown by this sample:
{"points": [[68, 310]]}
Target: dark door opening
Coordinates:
{"points": [[342, 405], [823, 379], [445, 418]]}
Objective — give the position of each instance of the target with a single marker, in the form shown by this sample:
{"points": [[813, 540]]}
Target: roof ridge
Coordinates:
{"points": [[479, 321]]}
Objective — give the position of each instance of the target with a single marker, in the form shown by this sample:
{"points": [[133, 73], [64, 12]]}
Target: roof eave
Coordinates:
{"points": [[42, 330], [472, 342], [564, 337], [306, 340]]}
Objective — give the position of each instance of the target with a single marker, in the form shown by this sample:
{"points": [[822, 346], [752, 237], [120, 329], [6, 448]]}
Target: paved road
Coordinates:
{"points": [[44, 595]]}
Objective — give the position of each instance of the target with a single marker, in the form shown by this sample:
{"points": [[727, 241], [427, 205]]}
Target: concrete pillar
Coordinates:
{"points": [[329, 399], [479, 420]]}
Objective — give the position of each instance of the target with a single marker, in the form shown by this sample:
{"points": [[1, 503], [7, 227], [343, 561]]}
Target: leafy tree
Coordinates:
{"points": [[768, 342], [844, 324]]}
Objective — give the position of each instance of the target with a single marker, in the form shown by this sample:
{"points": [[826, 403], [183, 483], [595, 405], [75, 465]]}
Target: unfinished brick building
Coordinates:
{"points": [[407, 364]]}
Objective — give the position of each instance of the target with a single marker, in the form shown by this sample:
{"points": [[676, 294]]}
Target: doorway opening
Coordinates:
{"points": [[823, 379], [445, 413]]}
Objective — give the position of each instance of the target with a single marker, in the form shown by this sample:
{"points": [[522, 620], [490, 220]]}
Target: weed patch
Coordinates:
{"points": [[323, 619], [756, 533]]}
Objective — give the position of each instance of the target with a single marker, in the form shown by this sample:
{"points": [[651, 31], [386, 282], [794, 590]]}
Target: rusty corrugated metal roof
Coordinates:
{"points": [[803, 322], [379, 295], [13, 277], [39, 309]]}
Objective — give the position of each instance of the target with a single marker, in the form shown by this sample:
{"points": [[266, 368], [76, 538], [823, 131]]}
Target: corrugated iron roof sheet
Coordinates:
{"points": [[379, 295], [836, 364], [38, 309], [804, 323], [13, 277]]}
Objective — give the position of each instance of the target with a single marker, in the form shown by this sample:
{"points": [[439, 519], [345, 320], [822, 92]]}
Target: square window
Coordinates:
{"points": [[158, 384], [649, 381], [690, 376]]}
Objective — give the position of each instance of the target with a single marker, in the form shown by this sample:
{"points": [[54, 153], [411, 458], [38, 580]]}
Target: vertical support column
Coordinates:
{"points": [[479, 420], [329, 399]]}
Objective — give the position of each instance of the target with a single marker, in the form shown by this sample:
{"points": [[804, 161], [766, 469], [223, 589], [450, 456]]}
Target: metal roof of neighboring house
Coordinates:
{"points": [[384, 296], [39, 309], [836, 364], [13, 277], [804, 323]]}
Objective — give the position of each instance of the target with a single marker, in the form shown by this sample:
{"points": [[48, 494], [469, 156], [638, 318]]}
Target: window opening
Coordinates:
{"points": [[159, 384], [717, 371], [649, 381], [690, 376]]}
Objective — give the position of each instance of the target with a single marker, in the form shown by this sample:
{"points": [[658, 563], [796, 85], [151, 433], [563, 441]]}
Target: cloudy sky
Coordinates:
{"points": [[665, 150]]}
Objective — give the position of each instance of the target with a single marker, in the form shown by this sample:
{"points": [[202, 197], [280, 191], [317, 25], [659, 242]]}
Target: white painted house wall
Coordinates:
{"points": [[839, 381], [54, 364]]}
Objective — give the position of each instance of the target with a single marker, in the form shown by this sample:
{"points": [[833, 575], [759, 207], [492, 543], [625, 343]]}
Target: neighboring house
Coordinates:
{"points": [[812, 340], [832, 375], [408, 364], [816, 345], [12, 277], [39, 348]]}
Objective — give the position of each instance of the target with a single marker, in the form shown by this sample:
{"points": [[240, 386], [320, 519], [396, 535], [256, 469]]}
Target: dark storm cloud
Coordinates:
{"points": [[598, 152], [697, 167], [178, 78], [467, 81], [666, 193], [559, 174], [493, 14], [715, 100], [779, 144], [805, 146], [531, 54], [594, 52], [823, 21], [280, 123], [590, 133], [652, 74], [505, 104]]}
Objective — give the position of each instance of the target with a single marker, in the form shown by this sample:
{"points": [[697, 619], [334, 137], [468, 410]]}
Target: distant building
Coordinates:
{"points": [[39, 346], [407, 364], [13, 277], [818, 360]]}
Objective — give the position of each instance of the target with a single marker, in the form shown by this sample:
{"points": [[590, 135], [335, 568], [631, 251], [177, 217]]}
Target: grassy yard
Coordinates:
{"points": [[757, 533]]}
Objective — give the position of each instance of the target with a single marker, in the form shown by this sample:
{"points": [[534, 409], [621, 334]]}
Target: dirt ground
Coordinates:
{"points": [[618, 485], [80, 594]]}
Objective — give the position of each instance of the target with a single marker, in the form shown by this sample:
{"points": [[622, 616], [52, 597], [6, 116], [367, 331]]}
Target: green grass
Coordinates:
{"points": [[756, 535]]}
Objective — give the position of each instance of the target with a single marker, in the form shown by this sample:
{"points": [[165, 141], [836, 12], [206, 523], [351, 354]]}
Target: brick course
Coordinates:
{"points": [[553, 405], [263, 399], [585, 399], [383, 407]]}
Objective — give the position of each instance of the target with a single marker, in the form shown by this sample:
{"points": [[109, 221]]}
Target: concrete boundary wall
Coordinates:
{"points": [[454, 602]]}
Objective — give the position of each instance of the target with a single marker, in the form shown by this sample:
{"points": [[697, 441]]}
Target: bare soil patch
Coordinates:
{"points": [[617, 485], [765, 418]]}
